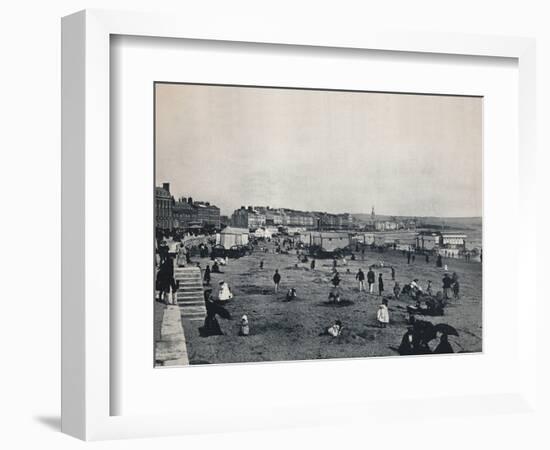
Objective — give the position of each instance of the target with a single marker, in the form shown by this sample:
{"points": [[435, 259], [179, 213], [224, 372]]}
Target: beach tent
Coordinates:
{"points": [[330, 242], [230, 236]]}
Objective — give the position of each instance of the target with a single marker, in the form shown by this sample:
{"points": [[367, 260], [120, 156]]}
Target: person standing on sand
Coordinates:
{"points": [[207, 275], [409, 257], [439, 261], [380, 284], [447, 283], [429, 289], [392, 273], [396, 290], [370, 280], [336, 279], [312, 264], [383, 314], [262, 264], [456, 289], [277, 280], [361, 278]]}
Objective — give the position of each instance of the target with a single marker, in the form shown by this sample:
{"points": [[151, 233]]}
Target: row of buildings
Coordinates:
{"points": [[391, 224], [253, 217], [183, 213]]}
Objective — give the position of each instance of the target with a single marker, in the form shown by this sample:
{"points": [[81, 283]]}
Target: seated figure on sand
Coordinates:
{"points": [[334, 330], [290, 294], [224, 293]]}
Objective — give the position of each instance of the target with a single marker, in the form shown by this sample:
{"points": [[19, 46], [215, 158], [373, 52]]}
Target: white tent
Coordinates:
{"points": [[230, 236]]}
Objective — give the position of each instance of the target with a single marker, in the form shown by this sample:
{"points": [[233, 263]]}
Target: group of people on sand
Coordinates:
{"points": [[371, 279], [412, 342], [423, 338]]}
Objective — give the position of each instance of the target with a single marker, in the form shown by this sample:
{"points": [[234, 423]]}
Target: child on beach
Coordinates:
{"points": [[244, 328], [383, 314], [334, 330]]}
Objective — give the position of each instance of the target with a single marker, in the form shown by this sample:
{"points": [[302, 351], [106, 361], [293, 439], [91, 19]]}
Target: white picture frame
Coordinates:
{"points": [[86, 215]]}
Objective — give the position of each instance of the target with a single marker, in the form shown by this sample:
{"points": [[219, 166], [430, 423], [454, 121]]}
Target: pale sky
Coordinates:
{"points": [[415, 155]]}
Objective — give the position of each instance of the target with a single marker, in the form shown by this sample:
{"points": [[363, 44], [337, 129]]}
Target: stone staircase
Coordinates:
{"points": [[190, 296]]}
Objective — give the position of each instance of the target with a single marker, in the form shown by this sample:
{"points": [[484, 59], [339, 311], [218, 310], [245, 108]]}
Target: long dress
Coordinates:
{"points": [[225, 293], [383, 314], [407, 344], [181, 259], [211, 326]]}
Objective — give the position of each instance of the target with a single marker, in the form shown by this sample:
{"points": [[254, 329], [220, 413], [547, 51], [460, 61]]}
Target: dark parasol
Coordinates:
{"points": [[446, 329]]}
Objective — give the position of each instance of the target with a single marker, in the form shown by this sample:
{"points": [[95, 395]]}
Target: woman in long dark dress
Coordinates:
{"points": [[380, 284], [407, 343], [165, 280], [211, 326], [207, 275]]}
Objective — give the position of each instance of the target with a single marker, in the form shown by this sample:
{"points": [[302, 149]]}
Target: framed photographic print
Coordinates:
{"points": [[288, 216]]}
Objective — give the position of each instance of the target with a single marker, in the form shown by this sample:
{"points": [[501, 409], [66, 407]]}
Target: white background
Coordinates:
{"points": [[30, 138]]}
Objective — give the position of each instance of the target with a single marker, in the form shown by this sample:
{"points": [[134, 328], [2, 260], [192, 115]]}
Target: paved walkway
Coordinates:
{"points": [[171, 348]]}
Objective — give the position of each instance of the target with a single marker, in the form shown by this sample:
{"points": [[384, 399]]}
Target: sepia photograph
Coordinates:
{"points": [[303, 224]]}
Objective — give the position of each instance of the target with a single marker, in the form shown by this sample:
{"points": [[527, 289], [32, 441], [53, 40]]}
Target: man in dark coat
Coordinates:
{"points": [[380, 284], [276, 279], [165, 280], [447, 284], [371, 279], [361, 278], [336, 279]]}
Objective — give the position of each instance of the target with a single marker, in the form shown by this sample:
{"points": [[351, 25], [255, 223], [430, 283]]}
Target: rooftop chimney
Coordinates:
{"points": [[166, 187], [190, 200]]}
